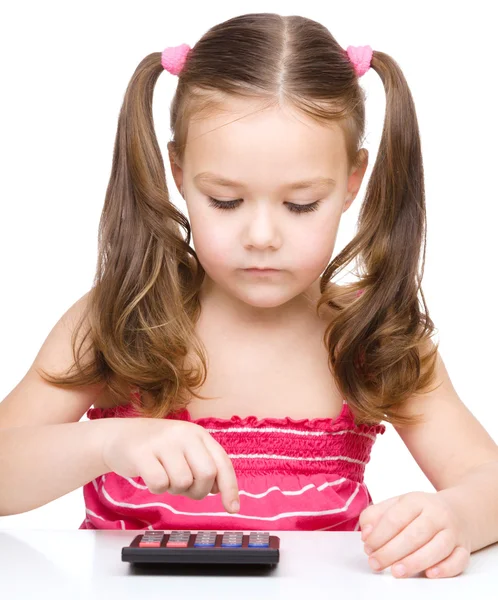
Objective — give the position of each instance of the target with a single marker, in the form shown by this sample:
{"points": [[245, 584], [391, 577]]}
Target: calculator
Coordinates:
{"points": [[203, 547]]}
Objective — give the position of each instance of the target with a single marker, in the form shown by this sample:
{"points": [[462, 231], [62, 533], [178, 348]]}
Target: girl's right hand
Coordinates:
{"points": [[178, 457]]}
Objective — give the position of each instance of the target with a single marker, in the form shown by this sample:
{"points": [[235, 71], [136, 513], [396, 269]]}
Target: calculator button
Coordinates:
{"points": [[259, 539], [151, 539], [178, 539], [205, 539], [232, 539]]}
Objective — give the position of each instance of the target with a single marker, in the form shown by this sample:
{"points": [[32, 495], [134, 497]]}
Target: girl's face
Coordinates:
{"points": [[263, 218]]}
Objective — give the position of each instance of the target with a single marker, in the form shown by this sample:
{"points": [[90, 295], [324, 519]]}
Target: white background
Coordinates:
{"points": [[65, 67]]}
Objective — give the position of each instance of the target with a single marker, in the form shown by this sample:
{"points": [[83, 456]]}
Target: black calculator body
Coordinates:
{"points": [[203, 547]]}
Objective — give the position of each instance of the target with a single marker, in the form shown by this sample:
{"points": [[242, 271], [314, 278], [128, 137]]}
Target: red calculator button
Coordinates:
{"points": [[151, 539], [178, 539]]}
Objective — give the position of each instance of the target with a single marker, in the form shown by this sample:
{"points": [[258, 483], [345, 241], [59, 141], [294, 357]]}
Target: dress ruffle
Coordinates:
{"points": [[345, 418]]}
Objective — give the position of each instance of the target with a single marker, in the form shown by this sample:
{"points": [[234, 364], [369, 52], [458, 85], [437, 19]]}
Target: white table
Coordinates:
{"points": [[60, 564]]}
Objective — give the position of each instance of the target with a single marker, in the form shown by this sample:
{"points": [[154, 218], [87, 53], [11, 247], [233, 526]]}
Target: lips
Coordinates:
{"points": [[262, 272]]}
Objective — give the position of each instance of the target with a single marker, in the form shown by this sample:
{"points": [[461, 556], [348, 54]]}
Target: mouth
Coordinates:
{"points": [[262, 271]]}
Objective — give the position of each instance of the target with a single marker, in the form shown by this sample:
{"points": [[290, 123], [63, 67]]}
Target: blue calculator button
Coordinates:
{"points": [[259, 539], [258, 544], [205, 539]]}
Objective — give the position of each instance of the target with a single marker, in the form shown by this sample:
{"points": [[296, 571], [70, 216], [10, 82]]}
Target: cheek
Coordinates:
{"points": [[313, 248], [211, 242]]}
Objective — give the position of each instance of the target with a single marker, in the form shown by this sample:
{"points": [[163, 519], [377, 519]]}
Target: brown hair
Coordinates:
{"points": [[144, 302]]}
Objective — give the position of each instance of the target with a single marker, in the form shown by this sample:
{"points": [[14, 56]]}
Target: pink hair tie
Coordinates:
{"points": [[361, 57], [173, 58]]}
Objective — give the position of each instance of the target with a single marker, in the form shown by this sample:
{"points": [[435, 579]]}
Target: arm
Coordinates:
{"points": [[43, 462], [475, 498], [457, 455], [45, 450]]}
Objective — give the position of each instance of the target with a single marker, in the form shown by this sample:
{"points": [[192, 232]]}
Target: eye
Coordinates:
{"points": [[297, 208]]}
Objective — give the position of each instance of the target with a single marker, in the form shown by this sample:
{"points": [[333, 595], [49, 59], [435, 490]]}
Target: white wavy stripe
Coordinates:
{"points": [[90, 512], [306, 513], [334, 526], [357, 526], [284, 430], [122, 523], [262, 494], [96, 516], [306, 458]]}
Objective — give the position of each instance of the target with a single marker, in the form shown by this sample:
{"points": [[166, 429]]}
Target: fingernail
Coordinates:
{"points": [[235, 506], [365, 531], [374, 563]]}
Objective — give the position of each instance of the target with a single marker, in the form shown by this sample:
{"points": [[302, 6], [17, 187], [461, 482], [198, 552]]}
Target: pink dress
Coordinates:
{"points": [[293, 474]]}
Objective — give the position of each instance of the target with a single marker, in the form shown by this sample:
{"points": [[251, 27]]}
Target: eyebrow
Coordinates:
{"points": [[208, 177]]}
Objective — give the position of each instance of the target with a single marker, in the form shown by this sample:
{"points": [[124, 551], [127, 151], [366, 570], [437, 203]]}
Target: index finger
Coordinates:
{"points": [[225, 478]]}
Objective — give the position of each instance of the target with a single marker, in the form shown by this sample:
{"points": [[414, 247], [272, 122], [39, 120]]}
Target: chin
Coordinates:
{"points": [[265, 298]]}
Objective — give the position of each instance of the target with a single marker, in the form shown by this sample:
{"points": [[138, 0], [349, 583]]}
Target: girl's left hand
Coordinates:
{"points": [[414, 532]]}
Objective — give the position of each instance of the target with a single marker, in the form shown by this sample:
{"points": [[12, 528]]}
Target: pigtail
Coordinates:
{"points": [[144, 299], [376, 340]]}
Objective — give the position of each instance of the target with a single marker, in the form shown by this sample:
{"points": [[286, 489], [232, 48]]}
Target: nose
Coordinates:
{"points": [[262, 229]]}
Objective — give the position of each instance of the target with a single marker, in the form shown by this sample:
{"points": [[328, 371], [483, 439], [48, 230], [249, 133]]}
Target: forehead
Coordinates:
{"points": [[244, 137]]}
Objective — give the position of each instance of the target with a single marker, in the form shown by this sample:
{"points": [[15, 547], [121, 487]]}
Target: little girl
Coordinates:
{"points": [[238, 372]]}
